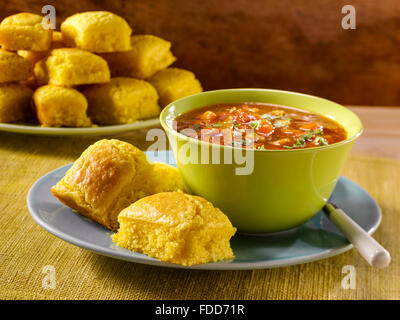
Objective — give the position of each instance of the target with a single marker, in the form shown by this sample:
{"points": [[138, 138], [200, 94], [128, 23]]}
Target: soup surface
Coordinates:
{"points": [[259, 126]]}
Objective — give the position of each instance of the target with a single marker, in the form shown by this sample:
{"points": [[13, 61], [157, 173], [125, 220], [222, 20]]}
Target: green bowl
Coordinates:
{"points": [[285, 187]]}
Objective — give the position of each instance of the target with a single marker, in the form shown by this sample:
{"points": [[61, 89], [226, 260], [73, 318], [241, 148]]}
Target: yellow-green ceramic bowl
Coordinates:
{"points": [[286, 187]]}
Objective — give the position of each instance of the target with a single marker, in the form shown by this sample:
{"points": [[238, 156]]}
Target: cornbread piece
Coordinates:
{"points": [[13, 67], [176, 227], [59, 106], [97, 31], [166, 178], [57, 39], [41, 76], [15, 103], [70, 66], [122, 100], [174, 83], [107, 177], [36, 56], [24, 31], [148, 55], [33, 56]]}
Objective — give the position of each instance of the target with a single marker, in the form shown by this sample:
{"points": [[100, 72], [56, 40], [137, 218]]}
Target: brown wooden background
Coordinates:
{"points": [[287, 44]]}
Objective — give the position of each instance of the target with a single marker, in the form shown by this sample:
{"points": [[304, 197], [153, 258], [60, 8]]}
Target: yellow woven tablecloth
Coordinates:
{"points": [[26, 248]]}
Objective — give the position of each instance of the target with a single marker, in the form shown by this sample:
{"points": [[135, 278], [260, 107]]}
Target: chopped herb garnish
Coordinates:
{"points": [[255, 124], [269, 117], [321, 141], [301, 141], [214, 125], [280, 123], [236, 124]]}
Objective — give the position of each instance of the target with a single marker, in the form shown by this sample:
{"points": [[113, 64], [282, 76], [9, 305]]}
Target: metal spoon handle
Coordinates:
{"points": [[368, 247]]}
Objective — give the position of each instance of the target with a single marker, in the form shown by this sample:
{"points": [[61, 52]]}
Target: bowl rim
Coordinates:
{"points": [[170, 130]]}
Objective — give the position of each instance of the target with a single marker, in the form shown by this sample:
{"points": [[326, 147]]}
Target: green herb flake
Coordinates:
{"points": [[214, 125], [269, 117], [301, 141], [280, 123], [321, 141], [236, 124], [255, 124]]}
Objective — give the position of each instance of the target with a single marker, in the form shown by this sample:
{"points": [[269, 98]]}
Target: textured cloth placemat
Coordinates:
{"points": [[79, 274]]}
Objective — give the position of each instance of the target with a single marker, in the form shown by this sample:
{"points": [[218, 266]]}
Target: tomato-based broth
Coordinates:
{"points": [[259, 126]]}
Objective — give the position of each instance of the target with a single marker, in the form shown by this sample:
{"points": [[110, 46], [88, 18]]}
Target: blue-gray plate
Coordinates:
{"points": [[314, 240]]}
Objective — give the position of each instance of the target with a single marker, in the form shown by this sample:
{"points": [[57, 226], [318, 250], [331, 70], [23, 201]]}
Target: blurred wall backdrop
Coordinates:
{"points": [[287, 44]]}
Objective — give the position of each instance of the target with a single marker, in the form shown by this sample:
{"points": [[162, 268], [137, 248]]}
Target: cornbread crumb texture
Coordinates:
{"points": [[32, 56], [57, 37], [13, 67], [167, 178], [108, 176], [41, 76], [148, 54], [24, 31], [97, 31], [36, 56], [174, 83], [71, 66], [122, 100], [176, 227], [15, 103], [59, 106]]}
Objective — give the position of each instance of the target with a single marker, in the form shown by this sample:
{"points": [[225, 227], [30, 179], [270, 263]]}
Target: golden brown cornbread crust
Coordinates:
{"points": [[103, 181], [24, 31], [177, 228], [13, 67], [97, 31], [166, 178], [109, 176], [148, 54], [122, 100], [61, 106], [36, 56], [71, 67], [174, 83]]}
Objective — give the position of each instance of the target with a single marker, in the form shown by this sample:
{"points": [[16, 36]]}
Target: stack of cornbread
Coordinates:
{"points": [[114, 184], [93, 72]]}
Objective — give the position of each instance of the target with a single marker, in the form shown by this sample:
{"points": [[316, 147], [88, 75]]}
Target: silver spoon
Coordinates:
{"points": [[368, 247]]}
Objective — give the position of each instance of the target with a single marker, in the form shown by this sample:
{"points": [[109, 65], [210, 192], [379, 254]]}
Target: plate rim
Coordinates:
{"points": [[218, 266], [64, 131]]}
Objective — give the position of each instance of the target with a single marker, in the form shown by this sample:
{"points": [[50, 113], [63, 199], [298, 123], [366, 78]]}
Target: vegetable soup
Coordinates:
{"points": [[259, 126]]}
